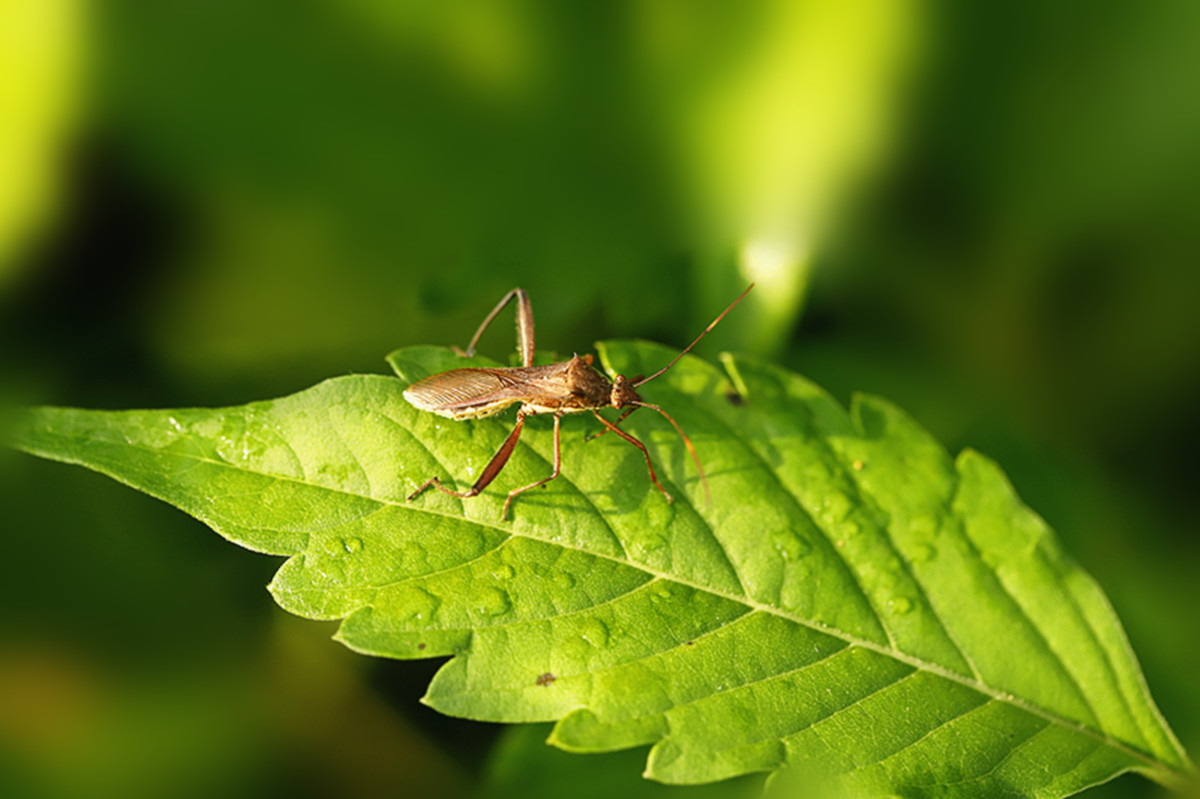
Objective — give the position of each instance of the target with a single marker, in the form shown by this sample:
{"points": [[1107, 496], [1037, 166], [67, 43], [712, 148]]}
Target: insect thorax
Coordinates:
{"points": [[588, 388]]}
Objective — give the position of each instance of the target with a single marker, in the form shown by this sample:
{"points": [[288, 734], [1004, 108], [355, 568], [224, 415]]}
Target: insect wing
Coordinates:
{"points": [[467, 393]]}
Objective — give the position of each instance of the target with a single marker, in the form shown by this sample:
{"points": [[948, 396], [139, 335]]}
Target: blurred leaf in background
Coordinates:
{"points": [[41, 55], [986, 210], [427, 156], [774, 113]]}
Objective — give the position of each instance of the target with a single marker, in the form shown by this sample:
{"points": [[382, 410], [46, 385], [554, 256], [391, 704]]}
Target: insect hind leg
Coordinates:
{"points": [[437, 483], [525, 343], [493, 468]]}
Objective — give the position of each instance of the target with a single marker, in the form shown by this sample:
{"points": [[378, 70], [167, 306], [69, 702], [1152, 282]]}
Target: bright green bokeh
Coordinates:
{"points": [[41, 58]]}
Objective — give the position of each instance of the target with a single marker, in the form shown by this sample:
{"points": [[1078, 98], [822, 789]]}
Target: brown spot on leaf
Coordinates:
{"points": [[734, 398], [545, 679]]}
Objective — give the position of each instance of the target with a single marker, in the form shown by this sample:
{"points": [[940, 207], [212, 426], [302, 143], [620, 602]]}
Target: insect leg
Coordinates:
{"points": [[639, 445], [524, 325], [557, 466], [620, 419], [494, 467]]}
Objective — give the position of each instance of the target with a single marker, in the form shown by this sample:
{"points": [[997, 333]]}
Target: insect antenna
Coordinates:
{"points": [[687, 442], [674, 360]]}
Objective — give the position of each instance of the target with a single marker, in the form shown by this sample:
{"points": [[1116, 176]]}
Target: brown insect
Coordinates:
{"points": [[573, 386]]}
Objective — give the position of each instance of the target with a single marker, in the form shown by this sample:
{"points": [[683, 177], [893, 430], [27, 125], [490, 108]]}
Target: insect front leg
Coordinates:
{"points": [[494, 467], [557, 466], [649, 464], [620, 419], [524, 326]]}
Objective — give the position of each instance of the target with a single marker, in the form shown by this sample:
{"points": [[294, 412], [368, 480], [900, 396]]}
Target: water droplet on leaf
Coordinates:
{"points": [[660, 593], [414, 604], [491, 601], [413, 555], [595, 632], [646, 544], [791, 546]]}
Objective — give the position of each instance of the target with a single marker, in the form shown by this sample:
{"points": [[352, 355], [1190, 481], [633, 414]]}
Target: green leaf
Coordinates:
{"points": [[521, 766], [854, 603]]}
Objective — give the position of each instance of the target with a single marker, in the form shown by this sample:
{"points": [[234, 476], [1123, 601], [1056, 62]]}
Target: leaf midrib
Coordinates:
{"points": [[1168, 771]]}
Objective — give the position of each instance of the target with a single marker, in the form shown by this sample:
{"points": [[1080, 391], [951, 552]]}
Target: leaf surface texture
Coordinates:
{"points": [[854, 604]]}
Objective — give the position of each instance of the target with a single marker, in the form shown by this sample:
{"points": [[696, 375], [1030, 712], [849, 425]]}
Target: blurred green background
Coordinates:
{"points": [[987, 212]]}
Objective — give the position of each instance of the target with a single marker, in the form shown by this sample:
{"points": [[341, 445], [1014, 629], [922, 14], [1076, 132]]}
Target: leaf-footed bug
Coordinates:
{"points": [[572, 386]]}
